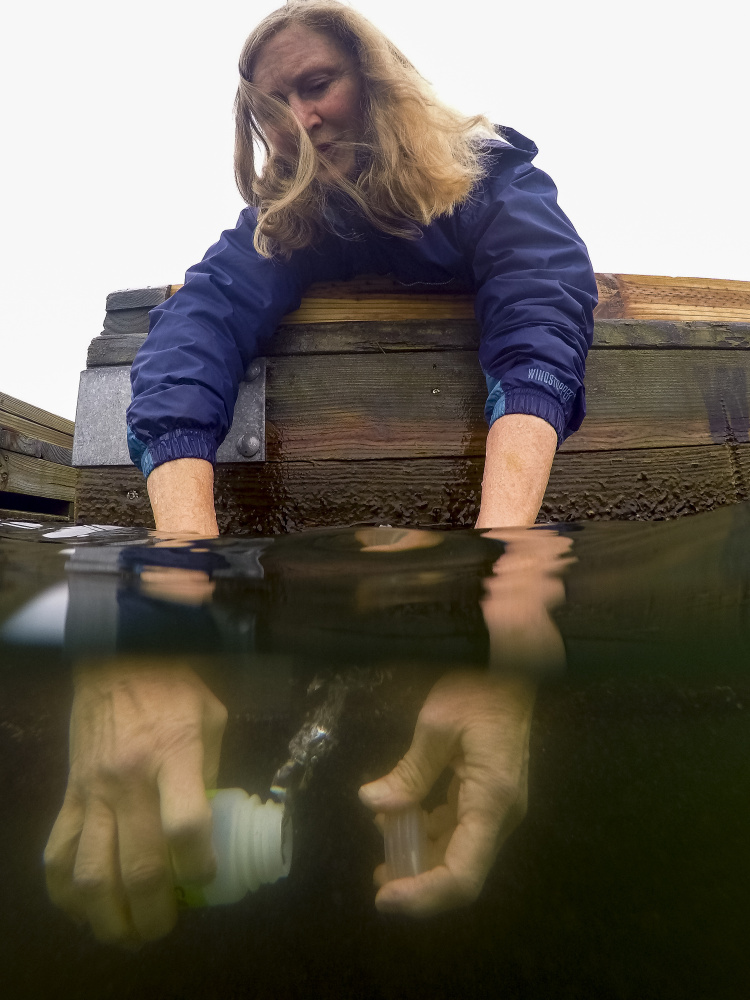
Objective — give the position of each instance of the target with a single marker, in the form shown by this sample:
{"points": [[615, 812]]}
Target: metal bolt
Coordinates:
{"points": [[133, 495], [248, 445], [253, 371], [435, 392]]}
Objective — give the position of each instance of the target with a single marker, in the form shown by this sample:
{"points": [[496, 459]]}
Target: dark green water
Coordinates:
{"points": [[628, 877]]}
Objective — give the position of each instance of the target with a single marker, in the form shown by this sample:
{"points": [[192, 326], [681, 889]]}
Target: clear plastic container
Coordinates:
{"points": [[405, 840], [252, 841]]}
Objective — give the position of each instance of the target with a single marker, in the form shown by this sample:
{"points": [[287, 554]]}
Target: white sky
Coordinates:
{"points": [[117, 141]]}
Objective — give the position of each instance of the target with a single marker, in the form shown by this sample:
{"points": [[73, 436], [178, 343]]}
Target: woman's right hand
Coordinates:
{"points": [[145, 742]]}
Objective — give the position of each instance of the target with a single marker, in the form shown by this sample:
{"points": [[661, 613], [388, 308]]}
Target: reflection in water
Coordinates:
{"points": [[401, 665]]}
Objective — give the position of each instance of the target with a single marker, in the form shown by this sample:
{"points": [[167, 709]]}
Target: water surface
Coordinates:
{"points": [[629, 875]]}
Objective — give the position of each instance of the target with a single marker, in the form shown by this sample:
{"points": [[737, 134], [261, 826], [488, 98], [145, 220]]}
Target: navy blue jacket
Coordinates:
{"points": [[510, 242]]}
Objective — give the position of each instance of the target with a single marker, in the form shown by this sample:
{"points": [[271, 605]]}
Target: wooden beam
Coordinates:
{"points": [[126, 321], [29, 515], [649, 296], [11, 440], [453, 335], [429, 404], [137, 298], [36, 477], [621, 296], [36, 431], [33, 414], [438, 492]]}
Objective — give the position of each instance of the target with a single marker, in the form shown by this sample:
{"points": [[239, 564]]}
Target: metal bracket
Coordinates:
{"points": [[104, 395]]}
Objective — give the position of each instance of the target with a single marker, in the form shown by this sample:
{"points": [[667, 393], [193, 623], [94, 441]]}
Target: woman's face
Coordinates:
{"points": [[321, 85]]}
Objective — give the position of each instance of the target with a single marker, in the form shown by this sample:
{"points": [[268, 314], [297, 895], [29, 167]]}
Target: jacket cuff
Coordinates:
{"points": [[533, 402], [184, 442]]}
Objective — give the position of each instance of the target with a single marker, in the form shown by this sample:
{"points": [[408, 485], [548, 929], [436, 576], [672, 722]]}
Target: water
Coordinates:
{"points": [[629, 875]]}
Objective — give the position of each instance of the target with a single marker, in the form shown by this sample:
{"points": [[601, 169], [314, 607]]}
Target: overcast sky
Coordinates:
{"points": [[117, 141]]}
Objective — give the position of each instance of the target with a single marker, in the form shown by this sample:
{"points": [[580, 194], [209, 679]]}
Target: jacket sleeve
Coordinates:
{"points": [[186, 376], [536, 294]]}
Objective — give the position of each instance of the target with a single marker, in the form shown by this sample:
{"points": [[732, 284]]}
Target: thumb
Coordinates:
{"points": [[412, 778]]}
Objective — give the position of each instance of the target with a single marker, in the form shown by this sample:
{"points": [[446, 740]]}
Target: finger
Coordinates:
{"points": [[432, 749], [214, 724], [144, 863], [96, 880], [60, 857], [424, 895], [186, 816]]}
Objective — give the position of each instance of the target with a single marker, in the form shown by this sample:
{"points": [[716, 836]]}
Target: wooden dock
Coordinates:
{"points": [[374, 410], [36, 473]]}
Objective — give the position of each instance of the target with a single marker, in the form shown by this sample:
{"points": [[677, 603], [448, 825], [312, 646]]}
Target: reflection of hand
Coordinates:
{"points": [[523, 588], [478, 726], [144, 746]]}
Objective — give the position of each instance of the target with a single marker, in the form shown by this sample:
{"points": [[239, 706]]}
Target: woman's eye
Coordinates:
{"points": [[317, 86]]}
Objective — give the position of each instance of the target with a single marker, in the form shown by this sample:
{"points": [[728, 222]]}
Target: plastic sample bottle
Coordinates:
{"points": [[252, 841], [405, 840]]}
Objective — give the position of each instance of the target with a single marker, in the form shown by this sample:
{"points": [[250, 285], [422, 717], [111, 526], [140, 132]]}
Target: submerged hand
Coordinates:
{"points": [[144, 746], [478, 726]]}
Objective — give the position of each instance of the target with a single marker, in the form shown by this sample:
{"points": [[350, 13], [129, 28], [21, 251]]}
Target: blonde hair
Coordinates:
{"points": [[417, 159]]}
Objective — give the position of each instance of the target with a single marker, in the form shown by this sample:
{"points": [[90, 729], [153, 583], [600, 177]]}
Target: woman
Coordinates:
{"points": [[366, 171]]}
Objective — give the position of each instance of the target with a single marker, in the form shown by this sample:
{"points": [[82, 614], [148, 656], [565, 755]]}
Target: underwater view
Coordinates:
{"points": [[503, 763]]}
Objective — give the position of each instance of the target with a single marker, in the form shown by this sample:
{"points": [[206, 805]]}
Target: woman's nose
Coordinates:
{"points": [[306, 113]]}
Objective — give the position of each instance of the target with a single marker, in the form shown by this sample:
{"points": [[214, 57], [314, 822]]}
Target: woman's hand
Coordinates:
{"points": [[144, 746], [478, 726]]}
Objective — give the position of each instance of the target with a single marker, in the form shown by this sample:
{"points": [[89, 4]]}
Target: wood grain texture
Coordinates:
{"points": [[623, 296], [374, 406], [7, 514], [36, 431], [137, 298], [647, 296], [449, 335], [11, 440], [115, 349], [33, 414], [126, 321], [382, 308], [279, 497], [386, 406], [36, 477], [667, 334]]}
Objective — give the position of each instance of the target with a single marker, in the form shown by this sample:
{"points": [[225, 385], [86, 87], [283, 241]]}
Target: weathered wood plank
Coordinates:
{"points": [[374, 406], [288, 496], [37, 431], [449, 335], [137, 298], [126, 321], [647, 296], [36, 477], [11, 440], [33, 414], [633, 296], [643, 483], [698, 335], [383, 405], [25, 515], [386, 406], [382, 308], [115, 349]]}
